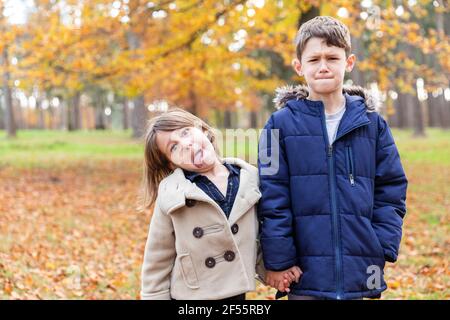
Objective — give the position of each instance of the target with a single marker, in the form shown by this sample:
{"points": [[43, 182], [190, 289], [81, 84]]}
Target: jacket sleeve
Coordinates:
{"points": [[390, 193], [274, 209], [159, 257], [260, 269]]}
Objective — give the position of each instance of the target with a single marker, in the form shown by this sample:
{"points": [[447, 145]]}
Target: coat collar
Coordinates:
{"points": [[175, 189], [289, 92], [358, 102]]}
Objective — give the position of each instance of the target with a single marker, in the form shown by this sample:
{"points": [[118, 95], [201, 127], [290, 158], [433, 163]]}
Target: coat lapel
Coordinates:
{"points": [[248, 192], [176, 189], [247, 196], [171, 192]]}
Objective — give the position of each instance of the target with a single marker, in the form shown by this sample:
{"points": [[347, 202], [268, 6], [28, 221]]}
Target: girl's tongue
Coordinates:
{"points": [[198, 158]]}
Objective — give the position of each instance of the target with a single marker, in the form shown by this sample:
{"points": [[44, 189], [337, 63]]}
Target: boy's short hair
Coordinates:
{"points": [[333, 31]]}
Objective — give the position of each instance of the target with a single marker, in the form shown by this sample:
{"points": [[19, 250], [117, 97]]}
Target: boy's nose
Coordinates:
{"points": [[323, 66]]}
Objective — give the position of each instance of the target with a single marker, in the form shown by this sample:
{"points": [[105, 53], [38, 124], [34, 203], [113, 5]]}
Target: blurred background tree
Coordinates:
{"points": [[76, 64]]}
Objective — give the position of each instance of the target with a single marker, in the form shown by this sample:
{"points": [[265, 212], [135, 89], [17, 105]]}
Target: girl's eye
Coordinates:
{"points": [[173, 147], [312, 60], [184, 132]]}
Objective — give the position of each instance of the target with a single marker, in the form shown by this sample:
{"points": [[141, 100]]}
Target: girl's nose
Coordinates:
{"points": [[186, 143]]}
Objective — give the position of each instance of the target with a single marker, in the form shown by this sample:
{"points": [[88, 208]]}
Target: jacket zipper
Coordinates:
{"points": [[334, 213], [335, 220], [351, 175]]}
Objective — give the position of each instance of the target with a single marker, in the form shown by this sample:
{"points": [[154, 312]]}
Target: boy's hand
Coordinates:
{"points": [[281, 280], [292, 274]]}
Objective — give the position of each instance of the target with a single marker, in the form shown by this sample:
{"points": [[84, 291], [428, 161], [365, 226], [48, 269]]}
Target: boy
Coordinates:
{"points": [[333, 188]]}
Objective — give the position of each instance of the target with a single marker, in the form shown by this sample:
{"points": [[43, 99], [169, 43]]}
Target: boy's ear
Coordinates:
{"points": [[351, 60], [297, 67]]}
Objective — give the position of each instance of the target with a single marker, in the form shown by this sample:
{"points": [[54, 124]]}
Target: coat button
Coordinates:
{"points": [[197, 232], [234, 228], [229, 255], [210, 262], [190, 202]]}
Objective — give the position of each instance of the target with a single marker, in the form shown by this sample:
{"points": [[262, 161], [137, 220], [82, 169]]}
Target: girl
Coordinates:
{"points": [[202, 241]]}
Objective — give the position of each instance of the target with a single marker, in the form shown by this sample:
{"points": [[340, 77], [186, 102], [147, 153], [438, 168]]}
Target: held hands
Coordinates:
{"points": [[281, 280]]}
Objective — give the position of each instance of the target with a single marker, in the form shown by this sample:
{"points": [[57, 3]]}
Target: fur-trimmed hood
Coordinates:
{"points": [[290, 92]]}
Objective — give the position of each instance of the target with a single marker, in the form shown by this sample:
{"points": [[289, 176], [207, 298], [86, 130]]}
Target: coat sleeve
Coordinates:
{"points": [[390, 193], [159, 257], [274, 209]]}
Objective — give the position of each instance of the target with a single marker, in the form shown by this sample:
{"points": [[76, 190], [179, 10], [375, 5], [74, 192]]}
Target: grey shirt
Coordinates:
{"points": [[332, 122]]}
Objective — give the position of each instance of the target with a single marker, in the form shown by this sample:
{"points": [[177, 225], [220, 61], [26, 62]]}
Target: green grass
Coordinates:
{"points": [[434, 148], [36, 148]]}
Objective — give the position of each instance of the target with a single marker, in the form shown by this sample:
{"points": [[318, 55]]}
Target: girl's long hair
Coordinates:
{"points": [[156, 165]]}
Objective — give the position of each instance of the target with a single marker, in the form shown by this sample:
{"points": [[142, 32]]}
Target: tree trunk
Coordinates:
{"points": [[356, 75], [10, 123], [253, 119], [139, 114], [419, 128], [19, 117], [41, 117], [75, 123], [125, 114], [418, 105], [401, 110], [444, 108], [432, 111], [193, 101], [227, 119], [139, 117], [64, 114], [53, 116], [2, 116], [69, 115], [99, 111], [443, 28], [218, 118], [99, 118]]}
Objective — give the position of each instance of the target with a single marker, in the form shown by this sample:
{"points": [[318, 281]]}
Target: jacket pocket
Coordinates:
{"points": [[378, 245], [213, 228], [350, 165], [188, 271]]}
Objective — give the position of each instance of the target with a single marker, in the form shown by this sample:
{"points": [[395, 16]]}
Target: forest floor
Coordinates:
{"points": [[69, 228]]}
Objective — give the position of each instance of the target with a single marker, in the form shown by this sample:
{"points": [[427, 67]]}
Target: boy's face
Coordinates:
{"points": [[323, 66]]}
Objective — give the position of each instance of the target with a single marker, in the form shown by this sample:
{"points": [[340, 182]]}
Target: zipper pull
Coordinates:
{"points": [[330, 150], [352, 180]]}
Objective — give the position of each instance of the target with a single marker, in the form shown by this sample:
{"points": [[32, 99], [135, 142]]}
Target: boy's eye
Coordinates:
{"points": [[312, 60], [184, 132]]}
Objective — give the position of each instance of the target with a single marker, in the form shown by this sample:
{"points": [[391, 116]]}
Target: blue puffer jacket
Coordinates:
{"points": [[335, 211]]}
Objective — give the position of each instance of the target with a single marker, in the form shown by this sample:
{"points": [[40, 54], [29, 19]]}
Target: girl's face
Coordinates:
{"points": [[187, 148]]}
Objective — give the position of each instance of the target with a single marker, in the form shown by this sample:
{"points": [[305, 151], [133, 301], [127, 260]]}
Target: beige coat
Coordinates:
{"points": [[192, 250]]}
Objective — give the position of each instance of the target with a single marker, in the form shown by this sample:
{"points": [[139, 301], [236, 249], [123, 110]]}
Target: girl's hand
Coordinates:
{"points": [[293, 274], [281, 280]]}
